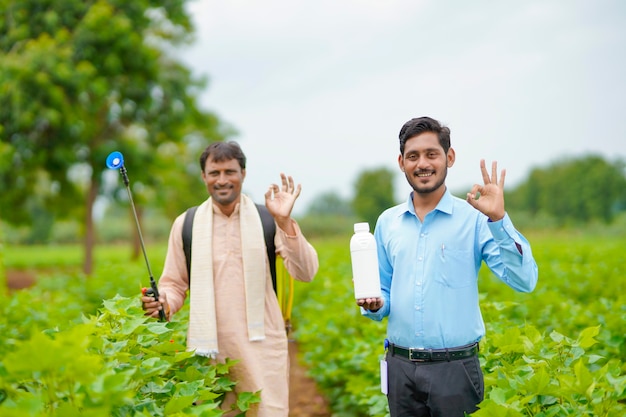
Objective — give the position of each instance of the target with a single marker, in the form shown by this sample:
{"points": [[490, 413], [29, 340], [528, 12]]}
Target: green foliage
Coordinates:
{"points": [[116, 363], [373, 193], [329, 215], [341, 348], [81, 79], [559, 351], [534, 374], [117, 226], [318, 226], [72, 346], [573, 191], [3, 276], [329, 204]]}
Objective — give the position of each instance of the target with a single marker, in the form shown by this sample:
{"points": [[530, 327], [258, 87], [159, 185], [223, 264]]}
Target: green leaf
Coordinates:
{"points": [[538, 382], [498, 395], [246, 399], [131, 324], [153, 367], [490, 409], [158, 328], [557, 337], [178, 403], [586, 338], [584, 378], [188, 388]]}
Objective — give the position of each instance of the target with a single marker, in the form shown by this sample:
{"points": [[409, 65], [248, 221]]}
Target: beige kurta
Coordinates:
{"points": [[264, 365]]}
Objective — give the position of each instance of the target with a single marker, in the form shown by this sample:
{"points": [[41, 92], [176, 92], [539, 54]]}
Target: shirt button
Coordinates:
{"points": [[417, 307], [420, 258], [418, 283]]}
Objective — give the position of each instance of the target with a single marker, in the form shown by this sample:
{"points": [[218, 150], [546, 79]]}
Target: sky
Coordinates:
{"points": [[320, 89]]}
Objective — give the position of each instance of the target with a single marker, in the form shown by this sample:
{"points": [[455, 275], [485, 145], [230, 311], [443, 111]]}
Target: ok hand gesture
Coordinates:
{"points": [[280, 200], [489, 198]]}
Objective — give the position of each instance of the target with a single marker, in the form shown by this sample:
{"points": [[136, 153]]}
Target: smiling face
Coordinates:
{"points": [[425, 163], [223, 181]]}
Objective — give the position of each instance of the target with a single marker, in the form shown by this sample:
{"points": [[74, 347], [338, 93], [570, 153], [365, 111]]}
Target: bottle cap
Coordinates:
{"points": [[361, 227]]}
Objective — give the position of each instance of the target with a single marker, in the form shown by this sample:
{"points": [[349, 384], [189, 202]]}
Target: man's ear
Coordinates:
{"points": [[451, 157], [400, 162]]}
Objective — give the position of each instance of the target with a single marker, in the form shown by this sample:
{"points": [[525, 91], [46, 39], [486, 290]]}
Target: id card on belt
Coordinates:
{"points": [[383, 376]]}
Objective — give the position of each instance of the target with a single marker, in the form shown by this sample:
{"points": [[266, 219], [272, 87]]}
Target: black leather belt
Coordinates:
{"points": [[430, 355]]}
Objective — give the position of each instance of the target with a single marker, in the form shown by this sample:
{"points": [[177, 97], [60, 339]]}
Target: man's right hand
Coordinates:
{"points": [[152, 307], [371, 304]]}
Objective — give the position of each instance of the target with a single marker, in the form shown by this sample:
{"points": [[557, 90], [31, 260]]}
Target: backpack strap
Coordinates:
{"points": [[269, 231], [187, 232]]}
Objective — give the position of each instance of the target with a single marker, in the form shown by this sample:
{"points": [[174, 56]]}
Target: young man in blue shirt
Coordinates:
{"points": [[430, 249]]}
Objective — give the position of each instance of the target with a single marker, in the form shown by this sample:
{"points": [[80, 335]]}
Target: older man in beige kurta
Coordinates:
{"points": [[264, 364]]}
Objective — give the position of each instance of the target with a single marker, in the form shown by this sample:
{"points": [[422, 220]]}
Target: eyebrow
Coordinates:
{"points": [[423, 150]]}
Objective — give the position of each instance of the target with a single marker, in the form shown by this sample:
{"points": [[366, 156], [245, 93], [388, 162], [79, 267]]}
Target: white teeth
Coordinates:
{"points": [[424, 175]]}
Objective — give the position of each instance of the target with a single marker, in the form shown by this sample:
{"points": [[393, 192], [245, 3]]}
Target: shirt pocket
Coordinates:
{"points": [[454, 267]]}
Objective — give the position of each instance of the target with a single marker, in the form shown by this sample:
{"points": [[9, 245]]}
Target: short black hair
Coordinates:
{"points": [[223, 151], [419, 125]]}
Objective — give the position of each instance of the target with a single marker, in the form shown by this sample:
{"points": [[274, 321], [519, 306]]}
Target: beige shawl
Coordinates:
{"points": [[202, 332]]}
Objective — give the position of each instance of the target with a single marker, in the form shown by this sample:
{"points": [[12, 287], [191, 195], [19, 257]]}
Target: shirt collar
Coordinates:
{"points": [[445, 204]]}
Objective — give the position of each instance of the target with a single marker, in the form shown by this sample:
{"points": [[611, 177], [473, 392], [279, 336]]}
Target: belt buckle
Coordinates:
{"points": [[416, 358]]}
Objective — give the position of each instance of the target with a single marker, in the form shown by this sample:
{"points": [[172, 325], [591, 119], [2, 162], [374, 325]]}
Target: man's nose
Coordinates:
{"points": [[422, 161]]}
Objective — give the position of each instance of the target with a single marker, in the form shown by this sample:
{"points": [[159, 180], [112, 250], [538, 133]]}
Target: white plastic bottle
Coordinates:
{"points": [[365, 275]]}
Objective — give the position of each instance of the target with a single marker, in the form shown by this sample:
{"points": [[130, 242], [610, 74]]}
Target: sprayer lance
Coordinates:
{"points": [[115, 160]]}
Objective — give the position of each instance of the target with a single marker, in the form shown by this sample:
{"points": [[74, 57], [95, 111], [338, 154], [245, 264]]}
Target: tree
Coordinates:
{"points": [[330, 203], [81, 79], [578, 190], [374, 192], [328, 215]]}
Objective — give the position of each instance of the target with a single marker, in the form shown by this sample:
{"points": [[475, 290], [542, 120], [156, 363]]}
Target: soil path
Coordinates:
{"points": [[304, 398]]}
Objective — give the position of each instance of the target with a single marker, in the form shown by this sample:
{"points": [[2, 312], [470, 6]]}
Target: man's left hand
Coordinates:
{"points": [[280, 201], [489, 198]]}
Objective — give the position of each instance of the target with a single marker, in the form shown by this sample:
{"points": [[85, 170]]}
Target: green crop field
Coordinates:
{"points": [[75, 345], [559, 351]]}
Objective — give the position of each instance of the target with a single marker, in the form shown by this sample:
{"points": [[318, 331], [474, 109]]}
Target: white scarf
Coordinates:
{"points": [[202, 332]]}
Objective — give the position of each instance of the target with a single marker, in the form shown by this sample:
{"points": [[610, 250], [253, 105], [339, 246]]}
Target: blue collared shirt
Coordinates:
{"points": [[429, 271]]}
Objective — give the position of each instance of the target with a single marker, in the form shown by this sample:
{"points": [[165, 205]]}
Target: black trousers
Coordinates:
{"points": [[434, 389]]}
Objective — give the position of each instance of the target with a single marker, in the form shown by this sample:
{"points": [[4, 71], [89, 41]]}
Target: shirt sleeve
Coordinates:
{"points": [[512, 259], [299, 256], [174, 280]]}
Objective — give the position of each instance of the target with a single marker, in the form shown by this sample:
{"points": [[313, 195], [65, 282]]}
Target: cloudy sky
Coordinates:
{"points": [[319, 89]]}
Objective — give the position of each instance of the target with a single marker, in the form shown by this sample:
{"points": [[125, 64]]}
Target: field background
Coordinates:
{"points": [[558, 351], [80, 80]]}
